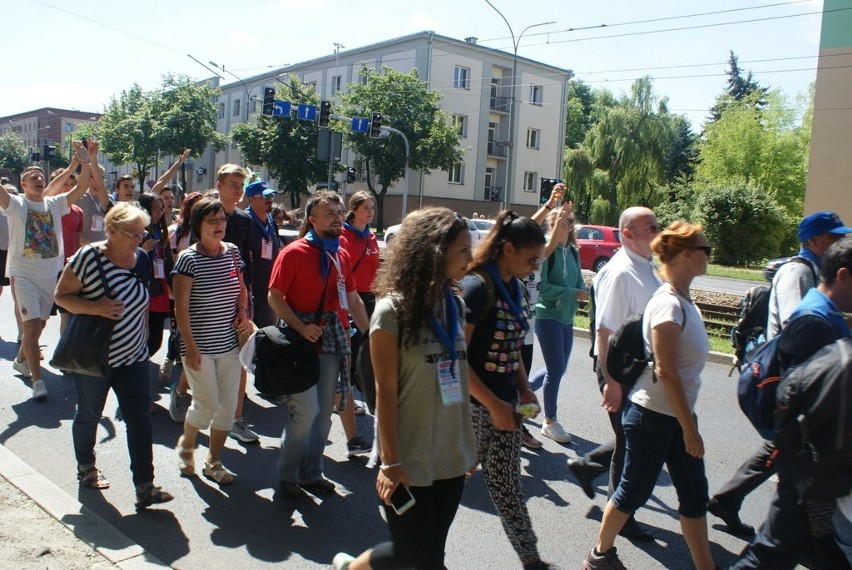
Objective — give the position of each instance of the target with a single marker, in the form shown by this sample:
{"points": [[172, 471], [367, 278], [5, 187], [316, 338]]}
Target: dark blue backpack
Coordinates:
{"points": [[759, 379]]}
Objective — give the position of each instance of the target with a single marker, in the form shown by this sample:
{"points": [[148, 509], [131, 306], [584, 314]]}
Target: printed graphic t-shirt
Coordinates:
{"points": [[35, 237]]}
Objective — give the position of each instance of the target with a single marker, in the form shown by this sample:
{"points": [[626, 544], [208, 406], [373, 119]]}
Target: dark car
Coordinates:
{"points": [[597, 245]]}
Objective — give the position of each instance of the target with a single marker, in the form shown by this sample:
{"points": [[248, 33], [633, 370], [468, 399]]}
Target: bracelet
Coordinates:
{"points": [[548, 207], [384, 467]]}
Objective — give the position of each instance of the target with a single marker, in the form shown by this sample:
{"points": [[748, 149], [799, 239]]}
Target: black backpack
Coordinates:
{"points": [[813, 424], [750, 331], [626, 357], [285, 362]]}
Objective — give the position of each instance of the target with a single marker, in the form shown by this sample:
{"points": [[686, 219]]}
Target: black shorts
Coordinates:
{"points": [[3, 279]]}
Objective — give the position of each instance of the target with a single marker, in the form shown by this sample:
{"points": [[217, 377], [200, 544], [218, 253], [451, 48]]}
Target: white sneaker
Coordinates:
{"points": [[341, 561], [39, 390], [242, 432], [555, 431], [22, 367]]}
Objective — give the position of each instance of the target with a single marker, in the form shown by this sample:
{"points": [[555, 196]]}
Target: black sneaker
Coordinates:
{"points": [[358, 445], [291, 490], [607, 561], [731, 519]]}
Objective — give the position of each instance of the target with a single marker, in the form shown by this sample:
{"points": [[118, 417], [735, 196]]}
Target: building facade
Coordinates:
{"points": [[476, 85]]}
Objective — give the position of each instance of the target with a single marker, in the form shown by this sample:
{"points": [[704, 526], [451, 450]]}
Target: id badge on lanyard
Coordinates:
{"points": [[266, 249], [341, 283], [448, 380], [97, 223]]}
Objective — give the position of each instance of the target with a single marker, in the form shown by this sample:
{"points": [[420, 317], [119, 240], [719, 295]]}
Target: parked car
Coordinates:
{"points": [[478, 230], [597, 245]]}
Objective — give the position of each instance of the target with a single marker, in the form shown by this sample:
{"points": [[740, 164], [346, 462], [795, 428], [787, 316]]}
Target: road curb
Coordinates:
{"points": [[76, 517]]}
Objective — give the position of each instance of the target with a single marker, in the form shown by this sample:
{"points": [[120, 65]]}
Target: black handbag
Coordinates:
{"points": [[285, 362], [83, 347]]}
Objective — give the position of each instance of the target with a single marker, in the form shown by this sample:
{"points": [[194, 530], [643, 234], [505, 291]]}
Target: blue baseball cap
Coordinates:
{"points": [[821, 223], [259, 188]]}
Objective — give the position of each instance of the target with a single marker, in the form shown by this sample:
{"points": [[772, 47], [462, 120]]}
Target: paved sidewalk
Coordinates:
{"points": [[41, 526]]}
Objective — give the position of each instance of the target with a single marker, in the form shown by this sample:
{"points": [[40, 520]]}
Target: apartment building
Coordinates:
{"points": [[476, 84]]}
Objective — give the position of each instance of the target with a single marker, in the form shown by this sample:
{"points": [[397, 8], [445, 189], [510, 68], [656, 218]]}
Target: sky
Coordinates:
{"points": [[76, 55]]}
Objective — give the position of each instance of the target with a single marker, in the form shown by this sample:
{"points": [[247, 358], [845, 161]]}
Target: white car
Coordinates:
{"points": [[478, 230]]}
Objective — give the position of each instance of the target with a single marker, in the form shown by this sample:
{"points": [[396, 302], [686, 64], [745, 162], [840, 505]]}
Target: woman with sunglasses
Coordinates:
{"points": [[660, 426], [497, 317]]}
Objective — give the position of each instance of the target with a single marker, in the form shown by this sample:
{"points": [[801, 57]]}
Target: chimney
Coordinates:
{"points": [[471, 40]]}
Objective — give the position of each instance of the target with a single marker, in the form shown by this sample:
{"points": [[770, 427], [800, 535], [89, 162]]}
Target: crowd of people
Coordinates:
{"points": [[451, 331]]}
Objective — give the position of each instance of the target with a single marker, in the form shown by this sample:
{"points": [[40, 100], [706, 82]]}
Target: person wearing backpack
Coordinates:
{"points": [[789, 285], [660, 425], [785, 537], [621, 289]]}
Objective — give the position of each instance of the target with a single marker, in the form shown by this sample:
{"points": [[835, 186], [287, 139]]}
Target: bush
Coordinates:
{"points": [[743, 224]]}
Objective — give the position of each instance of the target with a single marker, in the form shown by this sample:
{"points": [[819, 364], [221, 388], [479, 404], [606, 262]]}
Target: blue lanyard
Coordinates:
{"points": [[513, 302], [266, 229], [448, 336]]}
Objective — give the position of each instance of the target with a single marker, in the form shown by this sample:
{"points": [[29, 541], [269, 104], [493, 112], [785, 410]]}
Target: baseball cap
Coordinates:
{"points": [[821, 223], [259, 188]]}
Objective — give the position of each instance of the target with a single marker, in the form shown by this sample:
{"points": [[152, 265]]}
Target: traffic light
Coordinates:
{"points": [[268, 100], [376, 126], [49, 152], [350, 176], [35, 157], [324, 113]]}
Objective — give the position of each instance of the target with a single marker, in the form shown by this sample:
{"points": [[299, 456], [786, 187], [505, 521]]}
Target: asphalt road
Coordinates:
{"points": [[249, 524]]}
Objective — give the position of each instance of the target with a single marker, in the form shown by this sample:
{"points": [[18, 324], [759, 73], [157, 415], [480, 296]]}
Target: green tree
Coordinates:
{"points": [[13, 152], [185, 114], [739, 87], [742, 223], [285, 145], [579, 112], [408, 106], [683, 153], [128, 130]]}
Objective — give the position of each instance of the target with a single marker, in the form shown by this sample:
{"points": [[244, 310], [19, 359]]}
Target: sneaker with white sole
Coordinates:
{"points": [[178, 405], [358, 445], [607, 561], [527, 439], [39, 390], [241, 431], [556, 432], [22, 368], [341, 561]]}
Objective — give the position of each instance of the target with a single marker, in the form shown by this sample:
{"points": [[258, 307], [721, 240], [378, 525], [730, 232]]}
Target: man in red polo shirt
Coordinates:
{"points": [[304, 271]]}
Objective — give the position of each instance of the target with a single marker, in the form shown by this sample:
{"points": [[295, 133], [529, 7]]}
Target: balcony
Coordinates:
{"points": [[500, 104], [493, 193], [498, 149]]}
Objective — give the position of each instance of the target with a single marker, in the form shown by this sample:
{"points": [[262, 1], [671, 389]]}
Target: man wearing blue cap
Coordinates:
{"points": [[793, 280], [816, 233], [264, 246]]}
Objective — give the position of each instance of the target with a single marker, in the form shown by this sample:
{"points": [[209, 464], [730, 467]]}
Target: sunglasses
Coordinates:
{"points": [[534, 261], [705, 248]]}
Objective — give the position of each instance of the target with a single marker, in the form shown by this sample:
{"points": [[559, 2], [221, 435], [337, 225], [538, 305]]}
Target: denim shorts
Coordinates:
{"points": [[653, 440]]}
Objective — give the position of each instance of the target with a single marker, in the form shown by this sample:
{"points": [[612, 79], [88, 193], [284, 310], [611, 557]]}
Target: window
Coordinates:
{"points": [[457, 173], [461, 78], [336, 83], [460, 123], [530, 181], [236, 108], [536, 94], [533, 137], [253, 107], [221, 110]]}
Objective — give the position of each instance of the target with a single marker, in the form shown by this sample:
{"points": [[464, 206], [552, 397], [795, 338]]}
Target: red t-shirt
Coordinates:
{"points": [[72, 225], [296, 273], [364, 254]]}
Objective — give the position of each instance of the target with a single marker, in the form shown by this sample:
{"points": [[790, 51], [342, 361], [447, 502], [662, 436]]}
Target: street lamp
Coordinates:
{"points": [[512, 152]]}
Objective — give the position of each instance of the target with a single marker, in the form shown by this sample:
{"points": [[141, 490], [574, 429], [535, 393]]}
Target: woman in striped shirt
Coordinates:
{"points": [[124, 298], [211, 306]]}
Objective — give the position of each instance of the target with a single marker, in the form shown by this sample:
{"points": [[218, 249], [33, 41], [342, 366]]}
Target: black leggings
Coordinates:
{"points": [[155, 331], [419, 535]]}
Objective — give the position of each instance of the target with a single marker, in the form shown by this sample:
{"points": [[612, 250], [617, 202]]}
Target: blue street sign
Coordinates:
{"points": [[281, 108], [360, 124], [307, 112]]}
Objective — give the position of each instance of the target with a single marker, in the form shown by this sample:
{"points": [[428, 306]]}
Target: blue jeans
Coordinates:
{"points": [[651, 440], [307, 426], [843, 534], [131, 386], [555, 340]]}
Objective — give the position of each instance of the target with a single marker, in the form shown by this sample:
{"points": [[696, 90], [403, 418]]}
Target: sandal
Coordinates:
{"points": [[92, 478], [217, 472], [151, 495], [186, 458]]}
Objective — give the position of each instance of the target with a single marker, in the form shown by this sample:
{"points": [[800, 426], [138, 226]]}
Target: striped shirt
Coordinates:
{"points": [[129, 341], [213, 297]]}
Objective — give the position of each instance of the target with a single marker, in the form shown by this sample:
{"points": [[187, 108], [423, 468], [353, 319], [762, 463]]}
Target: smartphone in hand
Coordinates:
{"points": [[401, 499]]}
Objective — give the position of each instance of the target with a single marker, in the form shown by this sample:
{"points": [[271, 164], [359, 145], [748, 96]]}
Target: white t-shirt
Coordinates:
{"points": [[664, 307], [622, 289], [35, 236], [533, 283], [789, 285]]}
